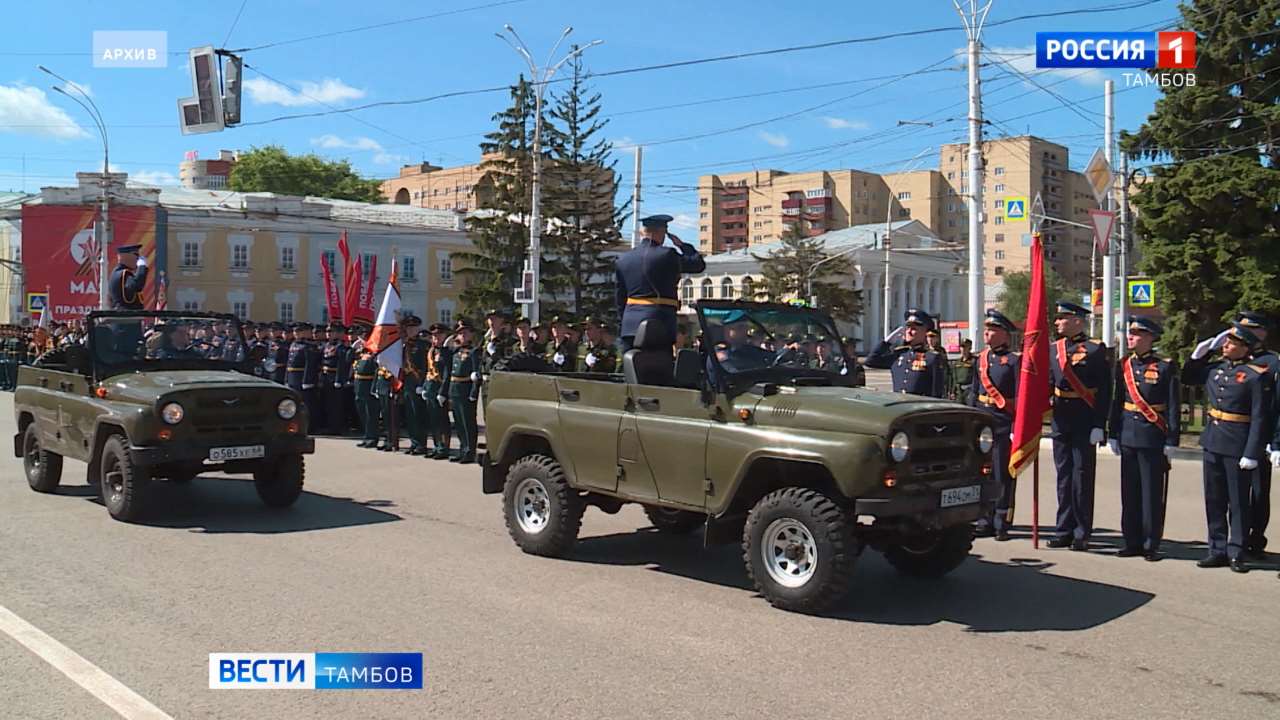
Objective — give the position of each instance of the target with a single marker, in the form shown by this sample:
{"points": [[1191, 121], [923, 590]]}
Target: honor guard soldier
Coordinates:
{"points": [[128, 279], [439, 365], [278, 353], [499, 343], [598, 356], [1144, 426], [464, 392], [385, 396], [329, 391], [302, 372], [564, 350], [526, 343], [995, 388], [647, 276], [412, 370], [1260, 491], [1233, 440], [364, 371], [914, 367], [1081, 379]]}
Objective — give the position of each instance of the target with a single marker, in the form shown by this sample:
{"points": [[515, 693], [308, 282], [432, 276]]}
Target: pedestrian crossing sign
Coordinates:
{"points": [[1015, 208], [1142, 293], [36, 301]]}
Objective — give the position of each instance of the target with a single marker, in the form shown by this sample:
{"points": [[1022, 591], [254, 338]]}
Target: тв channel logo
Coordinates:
{"points": [[1164, 50]]}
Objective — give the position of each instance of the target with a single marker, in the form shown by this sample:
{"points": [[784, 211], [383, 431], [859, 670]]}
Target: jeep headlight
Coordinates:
{"points": [[986, 439], [172, 413], [899, 446], [287, 408]]}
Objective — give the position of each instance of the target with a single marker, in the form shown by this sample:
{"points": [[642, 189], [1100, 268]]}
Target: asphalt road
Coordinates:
{"points": [[405, 554]]}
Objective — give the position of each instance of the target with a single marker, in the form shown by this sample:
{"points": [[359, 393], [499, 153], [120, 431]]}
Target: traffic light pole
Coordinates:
{"points": [[973, 28]]}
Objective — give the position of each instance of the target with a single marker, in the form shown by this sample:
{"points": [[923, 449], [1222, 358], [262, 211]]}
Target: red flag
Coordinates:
{"points": [[350, 280], [368, 306], [331, 294], [1033, 386], [162, 291]]}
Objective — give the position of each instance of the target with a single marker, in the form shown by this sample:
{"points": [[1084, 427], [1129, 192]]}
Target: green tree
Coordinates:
{"points": [[1206, 217], [271, 169], [785, 274], [500, 231], [1016, 293], [582, 184]]}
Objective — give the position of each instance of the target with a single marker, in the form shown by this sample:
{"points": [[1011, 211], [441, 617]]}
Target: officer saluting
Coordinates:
{"points": [[915, 368], [1260, 492], [995, 387], [1144, 433], [1081, 378], [646, 279], [128, 279]]}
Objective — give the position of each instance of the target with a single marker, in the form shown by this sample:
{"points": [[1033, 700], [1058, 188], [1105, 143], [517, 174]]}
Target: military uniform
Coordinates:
{"points": [[563, 356], [302, 373], [915, 368], [126, 286], [364, 371], [1080, 377], [497, 347], [995, 388], [279, 356], [10, 357], [328, 391], [598, 356], [1260, 486], [384, 392], [646, 280], [1144, 422], [413, 369], [464, 389], [439, 365]]}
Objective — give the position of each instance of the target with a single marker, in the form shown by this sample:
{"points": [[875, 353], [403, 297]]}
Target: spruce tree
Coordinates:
{"points": [[785, 274]]}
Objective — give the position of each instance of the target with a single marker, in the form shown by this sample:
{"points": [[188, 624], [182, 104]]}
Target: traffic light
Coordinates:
{"points": [[231, 76], [209, 109]]}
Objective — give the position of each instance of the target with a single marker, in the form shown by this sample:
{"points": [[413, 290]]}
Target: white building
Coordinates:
{"points": [[922, 272]]}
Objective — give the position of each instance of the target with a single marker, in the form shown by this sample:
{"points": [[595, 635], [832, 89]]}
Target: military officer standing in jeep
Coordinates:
{"points": [[647, 276], [995, 388], [914, 367]]}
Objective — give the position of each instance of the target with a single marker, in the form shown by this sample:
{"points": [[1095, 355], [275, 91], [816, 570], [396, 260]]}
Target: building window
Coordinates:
{"points": [[999, 171], [951, 175], [286, 259], [326, 257], [999, 254], [446, 316], [190, 254], [748, 288], [408, 269], [999, 219], [1053, 254], [708, 288], [951, 223], [686, 291], [240, 310], [446, 269], [999, 187], [190, 306], [999, 204], [702, 202], [726, 289], [999, 237], [905, 195], [904, 212], [366, 264], [703, 228], [702, 215], [286, 312], [999, 270], [240, 257]]}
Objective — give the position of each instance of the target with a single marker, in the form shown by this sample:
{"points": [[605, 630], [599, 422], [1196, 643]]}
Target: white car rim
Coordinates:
{"points": [[789, 552], [532, 506]]}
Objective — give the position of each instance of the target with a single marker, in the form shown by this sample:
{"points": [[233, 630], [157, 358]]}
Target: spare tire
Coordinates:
{"points": [[523, 362]]}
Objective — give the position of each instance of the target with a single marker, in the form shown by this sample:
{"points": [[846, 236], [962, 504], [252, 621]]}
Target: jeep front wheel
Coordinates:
{"points": [[931, 554], [279, 484], [799, 550], [43, 468], [542, 511], [676, 522], [123, 485]]}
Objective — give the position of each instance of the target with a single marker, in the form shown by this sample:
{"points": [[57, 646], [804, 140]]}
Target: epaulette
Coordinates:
{"points": [[1262, 369]]}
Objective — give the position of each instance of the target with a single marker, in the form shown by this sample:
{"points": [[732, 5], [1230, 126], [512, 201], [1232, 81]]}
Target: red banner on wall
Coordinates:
{"points": [[59, 252]]}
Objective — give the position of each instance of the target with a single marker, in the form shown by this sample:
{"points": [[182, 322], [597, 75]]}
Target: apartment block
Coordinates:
{"points": [[428, 186]]}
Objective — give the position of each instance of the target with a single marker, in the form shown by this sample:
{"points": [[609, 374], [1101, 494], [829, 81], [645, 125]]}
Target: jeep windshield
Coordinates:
{"points": [[749, 343], [125, 341]]}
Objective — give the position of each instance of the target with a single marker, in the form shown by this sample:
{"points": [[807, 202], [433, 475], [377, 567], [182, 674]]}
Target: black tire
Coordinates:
{"points": [[932, 555], [522, 362], [43, 467], [823, 572], [543, 513], [676, 522], [122, 485], [279, 485]]}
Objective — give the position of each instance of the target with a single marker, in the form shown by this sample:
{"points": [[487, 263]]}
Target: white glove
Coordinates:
{"points": [[896, 334], [492, 347], [1248, 464], [1220, 338], [844, 371], [422, 393], [1169, 450], [558, 359], [142, 261], [1208, 346], [1096, 436], [591, 360], [440, 399], [475, 377], [1114, 445]]}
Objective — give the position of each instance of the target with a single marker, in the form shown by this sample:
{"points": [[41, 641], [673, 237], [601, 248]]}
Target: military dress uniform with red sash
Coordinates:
{"points": [[1260, 490], [995, 388], [1081, 380], [1144, 421]]}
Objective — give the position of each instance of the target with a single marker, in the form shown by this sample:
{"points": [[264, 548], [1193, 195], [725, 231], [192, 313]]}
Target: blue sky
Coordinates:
{"points": [[413, 59]]}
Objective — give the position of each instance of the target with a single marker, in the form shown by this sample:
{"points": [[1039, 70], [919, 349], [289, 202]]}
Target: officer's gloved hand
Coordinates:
{"points": [[142, 261], [1169, 450], [896, 335], [1248, 464], [440, 400], [1114, 445], [1096, 436]]}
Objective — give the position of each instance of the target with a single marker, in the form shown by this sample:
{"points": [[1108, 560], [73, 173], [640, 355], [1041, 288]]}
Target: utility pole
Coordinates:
{"points": [[635, 201], [541, 76], [1124, 238], [973, 22], [1108, 263]]}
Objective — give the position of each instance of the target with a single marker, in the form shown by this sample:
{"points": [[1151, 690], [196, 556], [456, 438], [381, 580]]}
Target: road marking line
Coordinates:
{"points": [[129, 704]]}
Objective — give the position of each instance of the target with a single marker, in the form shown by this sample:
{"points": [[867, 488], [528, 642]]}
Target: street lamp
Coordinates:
{"points": [[102, 230], [541, 76]]}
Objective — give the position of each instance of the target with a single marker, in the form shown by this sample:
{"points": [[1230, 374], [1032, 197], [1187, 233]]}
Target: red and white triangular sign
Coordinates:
{"points": [[1103, 220]]}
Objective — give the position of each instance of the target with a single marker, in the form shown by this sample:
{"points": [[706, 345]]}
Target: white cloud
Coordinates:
{"points": [[836, 123], [778, 141], [328, 90], [380, 155], [1024, 59], [27, 111], [623, 143], [683, 223], [154, 177]]}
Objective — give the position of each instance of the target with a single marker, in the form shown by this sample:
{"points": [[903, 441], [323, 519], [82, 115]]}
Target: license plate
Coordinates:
{"points": [[967, 495], [242, 452]]}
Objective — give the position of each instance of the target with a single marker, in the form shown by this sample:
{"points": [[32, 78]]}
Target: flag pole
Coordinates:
{"points": [[1035, 503]]}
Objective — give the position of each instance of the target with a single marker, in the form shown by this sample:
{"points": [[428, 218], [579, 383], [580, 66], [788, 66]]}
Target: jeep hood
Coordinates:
{"points": [[145, 387], [855, 410]]}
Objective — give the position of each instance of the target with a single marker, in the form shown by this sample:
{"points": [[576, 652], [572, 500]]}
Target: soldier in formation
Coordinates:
{"points": [[464, 392], [995, 388]]}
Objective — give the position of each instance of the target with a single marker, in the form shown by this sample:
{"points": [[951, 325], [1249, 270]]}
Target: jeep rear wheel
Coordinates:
{"points": [[122, 485], [676, 522], [799, 550], [43, 468], [279, 484], [932, 554], [543, 513]]}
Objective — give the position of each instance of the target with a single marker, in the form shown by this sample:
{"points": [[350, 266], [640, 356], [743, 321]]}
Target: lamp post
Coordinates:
{"points": [[541, 76], [102, 229]]}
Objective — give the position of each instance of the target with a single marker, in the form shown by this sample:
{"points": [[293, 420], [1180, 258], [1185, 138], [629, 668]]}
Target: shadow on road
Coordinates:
{"points": [[225, 505], [1106, 541], [985, 596]]}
